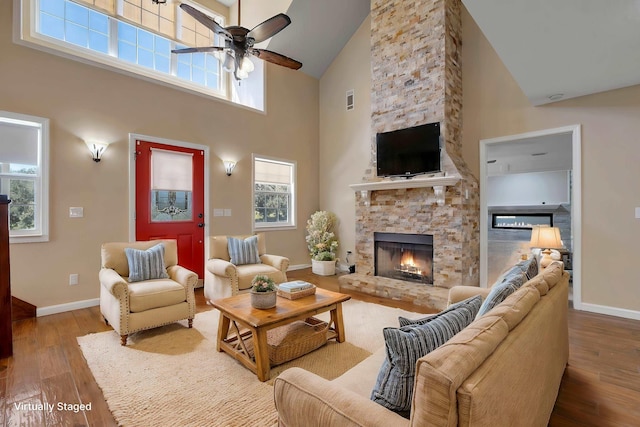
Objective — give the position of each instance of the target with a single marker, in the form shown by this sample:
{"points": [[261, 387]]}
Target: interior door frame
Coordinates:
{"points": [[576, 201], [133, 137]]}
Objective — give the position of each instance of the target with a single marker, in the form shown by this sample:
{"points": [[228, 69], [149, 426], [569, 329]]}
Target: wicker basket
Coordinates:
{"points": [[297, 294], [296, 339]]}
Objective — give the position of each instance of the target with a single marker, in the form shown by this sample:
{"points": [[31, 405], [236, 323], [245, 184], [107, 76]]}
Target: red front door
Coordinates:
{"points": [[170, 199]]}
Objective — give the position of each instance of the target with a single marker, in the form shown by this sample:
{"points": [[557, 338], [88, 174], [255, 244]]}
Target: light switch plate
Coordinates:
{"points": [[637, 212], [227, 212], [218, 212], [76, 212]]}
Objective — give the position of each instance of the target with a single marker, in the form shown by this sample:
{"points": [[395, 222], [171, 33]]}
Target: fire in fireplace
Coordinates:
{"points": [[404, 256]]}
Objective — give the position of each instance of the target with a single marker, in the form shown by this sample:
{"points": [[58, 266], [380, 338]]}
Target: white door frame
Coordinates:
{"points": [[133, 137], [576, 201]]}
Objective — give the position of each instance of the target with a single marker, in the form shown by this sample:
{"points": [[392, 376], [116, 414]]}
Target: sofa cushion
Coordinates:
{"points": [[441, 372], [146, 264], [151, 294], [474, 301], [361, 379], [553, 273], [247, 272], [516, 306], [405, 345], [243, 251], [529, 267], [500, 291]]}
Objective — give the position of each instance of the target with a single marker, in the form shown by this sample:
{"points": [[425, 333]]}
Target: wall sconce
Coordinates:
{"points": [[97, 149], [228, 166]]}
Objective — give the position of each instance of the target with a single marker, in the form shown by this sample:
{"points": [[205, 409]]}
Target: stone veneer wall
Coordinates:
{"points": [[416, 79]]}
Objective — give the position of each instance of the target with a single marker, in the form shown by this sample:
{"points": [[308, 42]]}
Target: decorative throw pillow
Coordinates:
{"points": [[146, 265], [532, 268], [243, 251], [405, 345], [475, 302], [500, 291]]}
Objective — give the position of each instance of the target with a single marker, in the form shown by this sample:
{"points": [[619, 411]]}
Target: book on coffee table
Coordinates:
{"points": [[296, 289], [295, 286]]}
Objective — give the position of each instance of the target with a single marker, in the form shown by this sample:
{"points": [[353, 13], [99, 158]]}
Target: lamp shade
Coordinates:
{"points": [[545, 238]]}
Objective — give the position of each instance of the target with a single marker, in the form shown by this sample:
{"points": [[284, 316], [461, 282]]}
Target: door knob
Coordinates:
{"points": [[201, 224]]}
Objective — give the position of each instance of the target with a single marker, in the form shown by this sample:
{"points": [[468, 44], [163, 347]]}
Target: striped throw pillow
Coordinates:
{"points": [[405, 345], [146, 265], [500, 291], [243, 251]]}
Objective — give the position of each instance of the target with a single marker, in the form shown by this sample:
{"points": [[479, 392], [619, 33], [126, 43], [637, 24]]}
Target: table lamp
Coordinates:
{"points": [[545, 238]]}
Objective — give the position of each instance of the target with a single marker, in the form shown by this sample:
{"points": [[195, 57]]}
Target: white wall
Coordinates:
{"points": [[345, 136], [528, 189]]}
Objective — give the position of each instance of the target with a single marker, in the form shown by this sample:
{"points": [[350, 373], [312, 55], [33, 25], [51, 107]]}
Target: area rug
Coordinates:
{"points": [[173, 376]]}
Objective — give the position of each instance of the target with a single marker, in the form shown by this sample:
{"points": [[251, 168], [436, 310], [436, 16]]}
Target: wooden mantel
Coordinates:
{"points": [[437, 182]]}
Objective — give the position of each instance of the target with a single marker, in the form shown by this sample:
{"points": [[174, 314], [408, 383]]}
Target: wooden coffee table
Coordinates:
{"points": [[237, 313]]}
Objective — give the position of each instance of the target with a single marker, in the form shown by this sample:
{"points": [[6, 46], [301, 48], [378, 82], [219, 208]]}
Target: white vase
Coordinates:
{"points": [[323, 268]]}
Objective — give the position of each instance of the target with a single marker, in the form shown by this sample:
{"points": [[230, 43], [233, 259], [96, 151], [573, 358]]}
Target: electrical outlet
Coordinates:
{"points": [[73, 279]]}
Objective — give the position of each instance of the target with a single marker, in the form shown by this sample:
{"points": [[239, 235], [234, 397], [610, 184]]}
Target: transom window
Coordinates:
{"points": [[136, 36], [96, 31], [273, 193], [24, 152]]}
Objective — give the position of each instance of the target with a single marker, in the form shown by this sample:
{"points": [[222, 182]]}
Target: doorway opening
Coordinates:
{"points": [[549, 163]]}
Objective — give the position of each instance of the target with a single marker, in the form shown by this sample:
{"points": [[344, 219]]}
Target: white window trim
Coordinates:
{"points": [[41, 234], [24, 33], [294, 199]]}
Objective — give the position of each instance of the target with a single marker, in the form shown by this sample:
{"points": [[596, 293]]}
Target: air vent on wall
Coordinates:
{"points": [[350, 100], [491, 161], [538, 154]]}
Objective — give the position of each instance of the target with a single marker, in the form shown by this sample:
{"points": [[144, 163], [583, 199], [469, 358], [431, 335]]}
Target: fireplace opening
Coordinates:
{"points": [[404, 256]]}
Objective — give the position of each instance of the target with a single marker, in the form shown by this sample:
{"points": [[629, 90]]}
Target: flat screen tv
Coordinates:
{"points": [[409, 152]]}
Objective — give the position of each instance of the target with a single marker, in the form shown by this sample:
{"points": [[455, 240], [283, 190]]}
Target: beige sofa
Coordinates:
{"points": [[504, 369], [223, 279]]}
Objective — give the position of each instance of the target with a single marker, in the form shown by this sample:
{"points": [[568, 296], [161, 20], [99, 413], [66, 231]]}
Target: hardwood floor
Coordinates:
{"points": [[601, 385]]}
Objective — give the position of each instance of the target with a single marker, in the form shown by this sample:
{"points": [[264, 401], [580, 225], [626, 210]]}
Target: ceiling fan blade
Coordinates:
{"points": [[198, 49], [269, 28], [277, 58], [205, 20]]}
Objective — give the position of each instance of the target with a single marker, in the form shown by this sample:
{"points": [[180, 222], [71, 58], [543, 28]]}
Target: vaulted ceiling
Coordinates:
{"points": [[557, 50], [318, 31]]}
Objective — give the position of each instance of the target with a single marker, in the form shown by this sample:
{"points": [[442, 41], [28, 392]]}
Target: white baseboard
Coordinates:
{"points": [[70, 306], [610, 311], [298, 267]]}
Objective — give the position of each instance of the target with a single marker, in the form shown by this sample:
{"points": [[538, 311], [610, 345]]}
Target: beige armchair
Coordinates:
{"points": [[223, 279], [135, 306]]}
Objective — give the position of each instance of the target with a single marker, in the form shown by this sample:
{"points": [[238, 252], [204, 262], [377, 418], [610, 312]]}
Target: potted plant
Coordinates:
{"points": [[322, 243], [263, 292]]}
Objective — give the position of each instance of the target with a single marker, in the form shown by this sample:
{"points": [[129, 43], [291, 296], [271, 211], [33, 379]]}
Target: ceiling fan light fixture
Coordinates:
{"points": [[241, 74], [229, 62], [246, 65], [219, 55]]}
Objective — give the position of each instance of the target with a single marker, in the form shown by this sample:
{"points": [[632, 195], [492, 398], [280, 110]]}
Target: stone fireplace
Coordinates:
{"points": [[416, 79]]}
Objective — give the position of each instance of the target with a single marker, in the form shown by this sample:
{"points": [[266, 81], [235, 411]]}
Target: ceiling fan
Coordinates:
{"points": [[239, 41]]}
